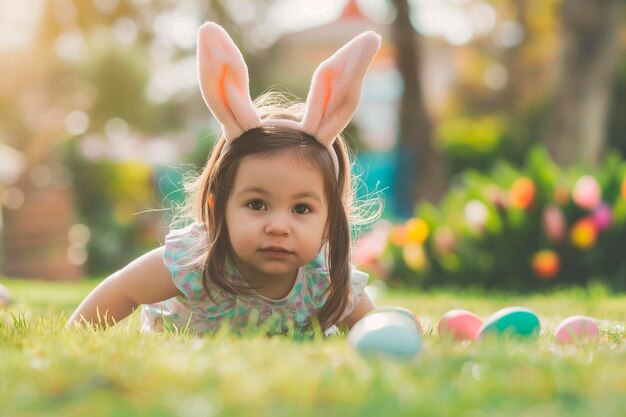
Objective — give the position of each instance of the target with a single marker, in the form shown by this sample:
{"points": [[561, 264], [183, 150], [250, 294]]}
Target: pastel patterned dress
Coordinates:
{"points": [[196, 311]]}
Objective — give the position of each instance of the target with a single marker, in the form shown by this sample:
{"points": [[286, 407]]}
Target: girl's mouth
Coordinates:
{"points": [[277, 251]]}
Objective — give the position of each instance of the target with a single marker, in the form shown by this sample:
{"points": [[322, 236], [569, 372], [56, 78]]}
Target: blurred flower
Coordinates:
{"points": [[553, 223], [561, 194], [416, 231], [586, 192], [476, 213], [444, 239], [624, 188], [584, 234], [602, 217], [414, 256], [397, 236], [497, 196], [370, 246], [546, 263], [522, 193]]}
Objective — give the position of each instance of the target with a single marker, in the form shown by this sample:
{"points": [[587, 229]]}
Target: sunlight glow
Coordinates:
{"points": [[106, 6], [457, 21], [295, 16], [17, 22], [509, 34], [69, 45], [125, 31]]}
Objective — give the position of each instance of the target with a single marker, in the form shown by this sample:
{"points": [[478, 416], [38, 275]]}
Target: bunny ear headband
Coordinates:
{"points": [[331, 101]]}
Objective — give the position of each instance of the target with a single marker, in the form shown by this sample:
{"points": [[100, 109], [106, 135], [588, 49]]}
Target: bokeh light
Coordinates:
{"points": [[77, 122], [12, 198]]}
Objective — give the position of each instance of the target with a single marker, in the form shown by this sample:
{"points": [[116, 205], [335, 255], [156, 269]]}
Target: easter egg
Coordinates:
{"points": [[459, 325], [577, 329], [514, 321], [405, 311], [5, 296], [387, 331]]}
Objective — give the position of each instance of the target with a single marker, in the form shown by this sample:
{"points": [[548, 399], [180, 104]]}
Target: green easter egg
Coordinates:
{"points": [[514, 321]]}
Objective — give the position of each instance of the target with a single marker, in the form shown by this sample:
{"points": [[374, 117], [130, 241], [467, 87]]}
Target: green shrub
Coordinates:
{"points": [[518, 229]]}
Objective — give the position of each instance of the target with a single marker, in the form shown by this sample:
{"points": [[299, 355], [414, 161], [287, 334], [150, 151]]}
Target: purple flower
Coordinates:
{"points": [[602, 217]]}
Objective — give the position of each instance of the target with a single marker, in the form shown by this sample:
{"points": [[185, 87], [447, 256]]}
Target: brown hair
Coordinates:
{"points": [[211, 189]]}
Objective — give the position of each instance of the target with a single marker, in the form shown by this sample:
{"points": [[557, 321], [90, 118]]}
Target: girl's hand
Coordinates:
{"points": [[145, 280]]}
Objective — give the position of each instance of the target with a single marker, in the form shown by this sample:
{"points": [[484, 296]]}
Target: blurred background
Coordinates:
{"points": [[492, 130]]}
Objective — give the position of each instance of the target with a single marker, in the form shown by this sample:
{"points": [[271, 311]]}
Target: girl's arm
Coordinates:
{"points": [[364, 306], [145, 280]]}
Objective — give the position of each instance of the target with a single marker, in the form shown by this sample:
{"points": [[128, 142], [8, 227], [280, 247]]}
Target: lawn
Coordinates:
{"points": [[46, 370]]}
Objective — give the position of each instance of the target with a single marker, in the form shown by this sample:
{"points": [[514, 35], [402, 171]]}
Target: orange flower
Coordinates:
{"points": [[624, 188], [397, 236], [546, 264], [416, 231], [522, 193], [584, 234]]}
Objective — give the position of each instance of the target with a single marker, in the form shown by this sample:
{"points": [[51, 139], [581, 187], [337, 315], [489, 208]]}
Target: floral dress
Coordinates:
{"points": [[195, 310]]}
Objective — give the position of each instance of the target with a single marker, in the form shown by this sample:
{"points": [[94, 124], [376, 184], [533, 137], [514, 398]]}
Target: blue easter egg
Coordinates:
{"points": [[514, 321], [388, 332]]}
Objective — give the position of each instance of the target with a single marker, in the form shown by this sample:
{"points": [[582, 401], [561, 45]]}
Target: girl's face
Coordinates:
{"points": [[276, 216]]}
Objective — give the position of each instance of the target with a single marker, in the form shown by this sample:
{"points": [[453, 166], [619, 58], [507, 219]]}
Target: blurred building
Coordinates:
{"points": [[40, 237]]}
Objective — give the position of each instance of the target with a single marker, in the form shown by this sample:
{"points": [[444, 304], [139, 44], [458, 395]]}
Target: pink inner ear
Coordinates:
{"points": [[328, 81], [221, 88]]}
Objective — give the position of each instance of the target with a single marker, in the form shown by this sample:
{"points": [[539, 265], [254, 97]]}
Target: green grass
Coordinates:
{"points": [[46, 370]]}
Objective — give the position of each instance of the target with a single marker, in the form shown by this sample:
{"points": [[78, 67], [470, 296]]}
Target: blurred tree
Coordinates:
{"points": [[88, 63], [422, 173], [617, 124], [576, 130], [497, 105]]}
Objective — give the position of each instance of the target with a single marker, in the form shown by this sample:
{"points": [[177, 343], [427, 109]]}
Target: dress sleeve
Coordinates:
{"points": [[182, 256], [358, 281]]}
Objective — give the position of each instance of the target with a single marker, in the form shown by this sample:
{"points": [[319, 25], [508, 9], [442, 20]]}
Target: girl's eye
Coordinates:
{"points": [[256, 205], [301, 209]]}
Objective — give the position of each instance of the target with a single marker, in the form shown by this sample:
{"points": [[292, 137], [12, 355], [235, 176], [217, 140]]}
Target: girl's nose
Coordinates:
{"points": [[277, 225]]}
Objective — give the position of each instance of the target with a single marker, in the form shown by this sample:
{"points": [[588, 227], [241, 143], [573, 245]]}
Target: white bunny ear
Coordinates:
{"points": [[336, 88], [223, 77]]}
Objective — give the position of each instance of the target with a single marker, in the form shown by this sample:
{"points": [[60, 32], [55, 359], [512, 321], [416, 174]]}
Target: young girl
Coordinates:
{"points": [[270, 236]]}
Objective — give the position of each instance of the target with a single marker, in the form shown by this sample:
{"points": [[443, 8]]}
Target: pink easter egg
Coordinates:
{"points": [[459, 325], [577, 329]]}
